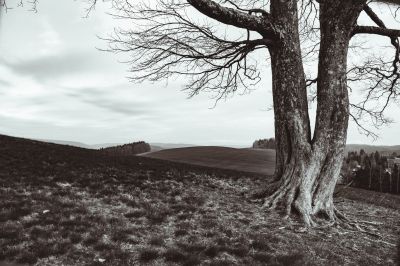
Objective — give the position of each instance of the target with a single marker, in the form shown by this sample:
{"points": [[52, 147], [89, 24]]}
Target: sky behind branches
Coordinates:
{"points": [[55, 84]]}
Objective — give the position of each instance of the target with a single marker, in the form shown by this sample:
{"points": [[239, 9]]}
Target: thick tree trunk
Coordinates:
{"points": [[308, 169], [295, 166], [292, 125]]}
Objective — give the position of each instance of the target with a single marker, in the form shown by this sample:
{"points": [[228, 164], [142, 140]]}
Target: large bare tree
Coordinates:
{"points": [[166, 38], [169, 39]]}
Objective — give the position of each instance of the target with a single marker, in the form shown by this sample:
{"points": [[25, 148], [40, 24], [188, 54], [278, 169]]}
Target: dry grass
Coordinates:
{"points": [[83, 209]]}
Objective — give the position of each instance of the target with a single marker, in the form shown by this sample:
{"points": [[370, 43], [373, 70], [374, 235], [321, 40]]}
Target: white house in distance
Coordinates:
{"points": [[393, 162]]}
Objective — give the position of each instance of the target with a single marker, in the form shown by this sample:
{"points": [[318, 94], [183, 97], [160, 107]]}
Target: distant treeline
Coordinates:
{"points": [[127, 149], [264, 144], [373, 171]]}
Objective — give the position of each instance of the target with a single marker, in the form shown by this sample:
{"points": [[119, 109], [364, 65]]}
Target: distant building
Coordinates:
{"points": [[356, 169], [393, 162]]}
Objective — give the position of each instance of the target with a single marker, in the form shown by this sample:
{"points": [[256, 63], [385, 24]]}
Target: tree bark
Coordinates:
{"points": [[292, 126], [308, 169]]}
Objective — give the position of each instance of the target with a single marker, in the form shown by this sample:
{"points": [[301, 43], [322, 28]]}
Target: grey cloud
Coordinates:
{"points": [[37, 101], [101, 99], [43, 130], [124, 108], [4, 83], [50, 67]]}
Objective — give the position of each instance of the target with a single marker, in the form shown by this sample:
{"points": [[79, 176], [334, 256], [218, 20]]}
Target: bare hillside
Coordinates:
{"points": [[61, 205]]}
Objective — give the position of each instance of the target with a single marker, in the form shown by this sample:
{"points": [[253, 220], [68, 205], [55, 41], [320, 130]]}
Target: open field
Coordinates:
{"points": [[62, 205], [249, 160]]}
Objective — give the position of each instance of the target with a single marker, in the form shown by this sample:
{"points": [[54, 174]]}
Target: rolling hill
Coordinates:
{"points": [[384, 150], [260, 161], [79, 144], [98, 146]]}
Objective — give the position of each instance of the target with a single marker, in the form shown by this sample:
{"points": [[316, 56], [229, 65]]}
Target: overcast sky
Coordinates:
{"points": [[55, 84]]}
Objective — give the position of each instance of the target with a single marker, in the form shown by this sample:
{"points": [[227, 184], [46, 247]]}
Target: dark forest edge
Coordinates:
{"points": [[127, 149], [374, 171]]}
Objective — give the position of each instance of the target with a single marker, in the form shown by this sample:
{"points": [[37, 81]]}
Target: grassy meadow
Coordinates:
{"points": [[61, 205]]}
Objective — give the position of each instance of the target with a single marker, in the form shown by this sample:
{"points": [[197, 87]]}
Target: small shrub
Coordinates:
{"points": [[27, 257], [102, 246], [221, 262], [192, 260], [209, 222], [61, 247], [91, 240], [16, 213], [121, 234], [223, 241], [228, 232], [262, 257], [239, 251], [10, 230], [174, 255], [147, 255], [184, 216], [211, 251], [194, 200], [192, 248], [39, 232], [75, 238], [260, 244], [81, 229], [135, 214], [70, 222], [293, 259], [9, 252], [181, 232], [156, 241], [41, 249], [156, 215], [210, 234]]}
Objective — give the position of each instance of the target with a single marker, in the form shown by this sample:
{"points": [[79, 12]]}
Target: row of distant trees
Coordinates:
{"points": [[372, 171], [264, 144], [127, 149]]}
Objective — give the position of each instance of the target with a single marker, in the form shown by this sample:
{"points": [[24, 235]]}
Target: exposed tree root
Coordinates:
{"points": [[380, 241], [285, 198], [262, 193], [355, 225], [333, 217]]}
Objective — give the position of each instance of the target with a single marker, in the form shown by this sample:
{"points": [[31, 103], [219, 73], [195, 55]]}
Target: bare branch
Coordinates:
{"points": [[381, 85], [166, 42], [377, 31], [235, 17], [374, 16], [32, 3]]}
